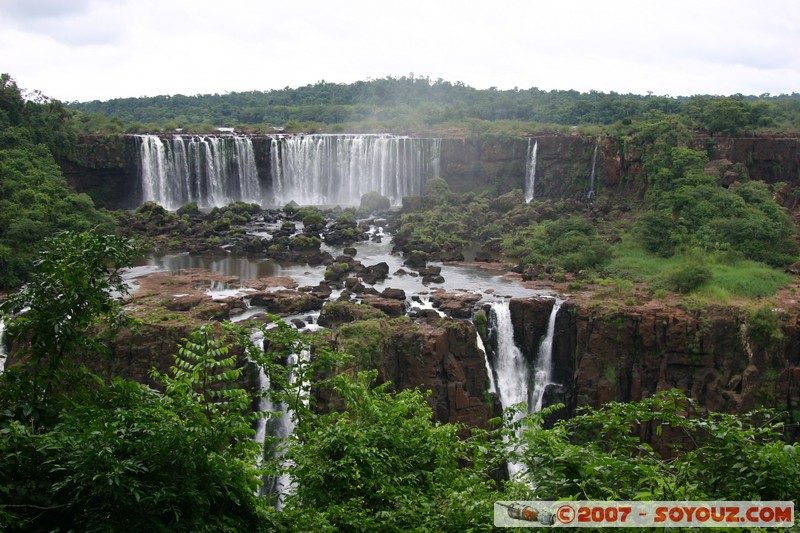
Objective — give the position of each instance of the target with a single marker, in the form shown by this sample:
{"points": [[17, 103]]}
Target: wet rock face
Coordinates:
{"points": [[628, 354], [135, 354], [632, 354], [455, 304], [440, 356]]}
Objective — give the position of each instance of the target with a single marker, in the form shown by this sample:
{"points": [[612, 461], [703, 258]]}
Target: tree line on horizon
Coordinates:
{"points": [[416, 105]]}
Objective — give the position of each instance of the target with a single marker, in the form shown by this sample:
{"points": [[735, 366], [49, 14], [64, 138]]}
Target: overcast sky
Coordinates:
{"points": [[102, 49]]}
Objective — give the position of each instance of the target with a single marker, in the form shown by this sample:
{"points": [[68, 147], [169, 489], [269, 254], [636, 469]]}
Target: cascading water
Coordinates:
{"points": [[210, 170], [279, 426], [592, 193], [543, 377], [513, 378], [530, 170], [339, 169], [3, 354], [482, 347], [510, 366], [263, 406]]}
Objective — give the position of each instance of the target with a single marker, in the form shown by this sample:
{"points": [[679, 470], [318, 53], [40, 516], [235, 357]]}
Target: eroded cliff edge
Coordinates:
{"points": [[601, 353], [107, 167], [608, 353]]}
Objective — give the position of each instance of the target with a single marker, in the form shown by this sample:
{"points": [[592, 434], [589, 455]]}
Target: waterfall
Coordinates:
{"points": [[339, 169], [530, 170], [208, 169], [511, 368], [263, 406], [257, 338], [3, 353], [280, 426], [544, 362], [482, 347], [592, 193]]}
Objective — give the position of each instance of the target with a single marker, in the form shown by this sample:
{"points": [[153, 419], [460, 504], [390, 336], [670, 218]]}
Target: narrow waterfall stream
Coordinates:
{"points": [[544, 363], [530, 171], [482, 347], [591, 195], [510, 366], [3, 354], [279, 426]]}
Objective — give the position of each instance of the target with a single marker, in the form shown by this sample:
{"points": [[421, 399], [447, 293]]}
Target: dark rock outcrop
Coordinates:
{"points": [[441, 356], [455, 304], [287, 302], [390, 306], [630, 353]]}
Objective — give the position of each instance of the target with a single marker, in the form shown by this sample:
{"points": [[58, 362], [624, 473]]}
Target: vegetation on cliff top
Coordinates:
{"points": [[35, 200], [685, 231], [424, 106]]}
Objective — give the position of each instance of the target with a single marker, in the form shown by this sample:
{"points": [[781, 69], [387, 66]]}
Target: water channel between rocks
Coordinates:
{"points": [[491, 284]]}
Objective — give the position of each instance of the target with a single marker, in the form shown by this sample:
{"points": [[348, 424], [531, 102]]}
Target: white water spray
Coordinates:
{"points": [[510, 365], [210, 170], [482, 347], [530, 170], [263, 406], [339, 169], [544, 362], [3, 353], [513, 378]]}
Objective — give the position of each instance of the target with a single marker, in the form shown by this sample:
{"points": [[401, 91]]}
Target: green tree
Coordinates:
{"points": [[78, 454], [381, 463], [35, 199], [688, 209], [60, 313], [11, 104], [604, 454]]}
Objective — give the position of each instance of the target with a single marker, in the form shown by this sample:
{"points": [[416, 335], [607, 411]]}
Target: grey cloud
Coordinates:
{"points": [[28, 12], [70, 22]]}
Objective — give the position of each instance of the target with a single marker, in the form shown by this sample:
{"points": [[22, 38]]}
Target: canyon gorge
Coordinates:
{"points": [[601, 351]]}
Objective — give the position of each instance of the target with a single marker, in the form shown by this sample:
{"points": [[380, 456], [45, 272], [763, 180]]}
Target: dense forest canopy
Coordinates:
{"points": [[35, 199], [419, 105]]}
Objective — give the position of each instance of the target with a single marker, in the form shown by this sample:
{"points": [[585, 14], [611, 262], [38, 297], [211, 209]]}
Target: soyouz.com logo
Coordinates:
{"points": [[747, 514]]}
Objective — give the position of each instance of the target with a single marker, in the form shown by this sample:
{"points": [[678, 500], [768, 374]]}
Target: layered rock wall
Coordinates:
{"points": [[440, 356], [630, 353], [106, 167]]}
